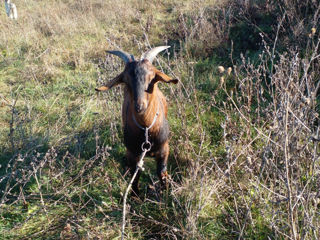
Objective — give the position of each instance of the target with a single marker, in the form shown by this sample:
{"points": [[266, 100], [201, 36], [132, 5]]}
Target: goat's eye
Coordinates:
{"points": [[150, 88]]}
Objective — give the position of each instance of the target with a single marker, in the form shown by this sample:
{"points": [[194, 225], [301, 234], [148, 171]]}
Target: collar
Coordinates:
{"points": [[153, 122]]}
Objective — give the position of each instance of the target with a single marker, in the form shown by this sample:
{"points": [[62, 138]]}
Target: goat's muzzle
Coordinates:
{"points": [[138, 107]]}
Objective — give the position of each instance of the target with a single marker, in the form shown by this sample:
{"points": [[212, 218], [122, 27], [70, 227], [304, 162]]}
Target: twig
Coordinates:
{"points": [[244, 117], [288, 178], [39, 188]]}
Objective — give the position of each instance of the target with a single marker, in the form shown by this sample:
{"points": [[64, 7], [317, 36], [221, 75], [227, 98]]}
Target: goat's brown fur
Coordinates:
{"points": [[142, 100]]}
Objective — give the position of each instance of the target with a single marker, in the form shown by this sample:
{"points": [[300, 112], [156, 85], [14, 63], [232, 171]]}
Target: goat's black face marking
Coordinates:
{"points": [[138, 81]]}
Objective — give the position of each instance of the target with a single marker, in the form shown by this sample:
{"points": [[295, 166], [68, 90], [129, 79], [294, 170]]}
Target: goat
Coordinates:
{"points": [[11, 9], [144, 106]]}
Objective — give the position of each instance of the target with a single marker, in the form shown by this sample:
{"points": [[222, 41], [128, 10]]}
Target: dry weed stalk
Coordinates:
{"points": [[261, 178], [278, 110]]}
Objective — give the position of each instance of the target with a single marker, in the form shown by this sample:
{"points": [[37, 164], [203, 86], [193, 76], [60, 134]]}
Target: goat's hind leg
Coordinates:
{"points": [[132, 161], [162, 159]]}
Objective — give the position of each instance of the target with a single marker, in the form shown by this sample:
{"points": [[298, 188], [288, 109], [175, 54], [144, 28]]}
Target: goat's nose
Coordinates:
{"points": [[138, 107]]}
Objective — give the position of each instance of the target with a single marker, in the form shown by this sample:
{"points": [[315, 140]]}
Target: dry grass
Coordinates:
{"points": [[244, 158]]}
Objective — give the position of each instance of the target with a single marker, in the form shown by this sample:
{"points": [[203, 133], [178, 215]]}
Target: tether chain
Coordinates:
{"points": [[145, 147]]}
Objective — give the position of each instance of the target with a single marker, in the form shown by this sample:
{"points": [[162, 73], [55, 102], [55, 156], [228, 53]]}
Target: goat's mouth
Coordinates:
{"points": [[140, 108]]}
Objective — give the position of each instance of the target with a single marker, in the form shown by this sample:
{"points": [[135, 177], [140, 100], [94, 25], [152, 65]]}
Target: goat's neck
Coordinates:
{"points": [[146, 119]]}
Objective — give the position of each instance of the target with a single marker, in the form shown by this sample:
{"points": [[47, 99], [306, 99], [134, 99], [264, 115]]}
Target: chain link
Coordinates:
{"points": [[146, 145]]}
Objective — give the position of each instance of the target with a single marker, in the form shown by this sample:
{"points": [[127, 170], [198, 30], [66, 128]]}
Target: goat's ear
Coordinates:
{"points": [[114, 82], [160, 76]]}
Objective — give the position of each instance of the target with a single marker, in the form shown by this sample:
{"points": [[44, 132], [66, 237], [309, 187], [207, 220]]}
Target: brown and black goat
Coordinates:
{"points": [[144, 106]]}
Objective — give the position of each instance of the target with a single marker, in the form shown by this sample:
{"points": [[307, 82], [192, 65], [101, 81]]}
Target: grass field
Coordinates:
{"points": [[244, 145]]}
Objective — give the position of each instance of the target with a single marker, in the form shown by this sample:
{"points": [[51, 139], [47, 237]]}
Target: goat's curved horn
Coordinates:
{"points": [[151, 54], [126, 57]]}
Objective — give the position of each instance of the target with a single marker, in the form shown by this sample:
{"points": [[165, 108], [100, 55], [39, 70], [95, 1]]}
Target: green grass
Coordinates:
{"points": [[61, 149]]}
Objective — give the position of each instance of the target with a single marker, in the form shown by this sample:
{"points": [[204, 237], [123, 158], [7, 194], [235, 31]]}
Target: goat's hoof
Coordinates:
{"points": [[164, 176], [165, 179]]}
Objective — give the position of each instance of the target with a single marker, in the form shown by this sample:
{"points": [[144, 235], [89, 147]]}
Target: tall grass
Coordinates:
{"points": [[244, 157]]}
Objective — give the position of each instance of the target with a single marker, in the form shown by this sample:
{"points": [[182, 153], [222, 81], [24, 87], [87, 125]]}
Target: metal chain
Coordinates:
{"points": [[146, 145]]}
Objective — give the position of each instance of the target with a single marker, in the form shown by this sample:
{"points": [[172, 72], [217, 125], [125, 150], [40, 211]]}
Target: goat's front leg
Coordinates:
{"points": [[162, 159], [132, 161]]}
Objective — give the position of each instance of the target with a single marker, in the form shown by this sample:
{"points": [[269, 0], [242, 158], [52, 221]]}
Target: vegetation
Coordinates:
{"points": [[244, 157]]}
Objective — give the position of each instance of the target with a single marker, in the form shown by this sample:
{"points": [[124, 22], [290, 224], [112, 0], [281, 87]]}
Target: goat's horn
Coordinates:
{"points": [[151, 54], [126, 57]]}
